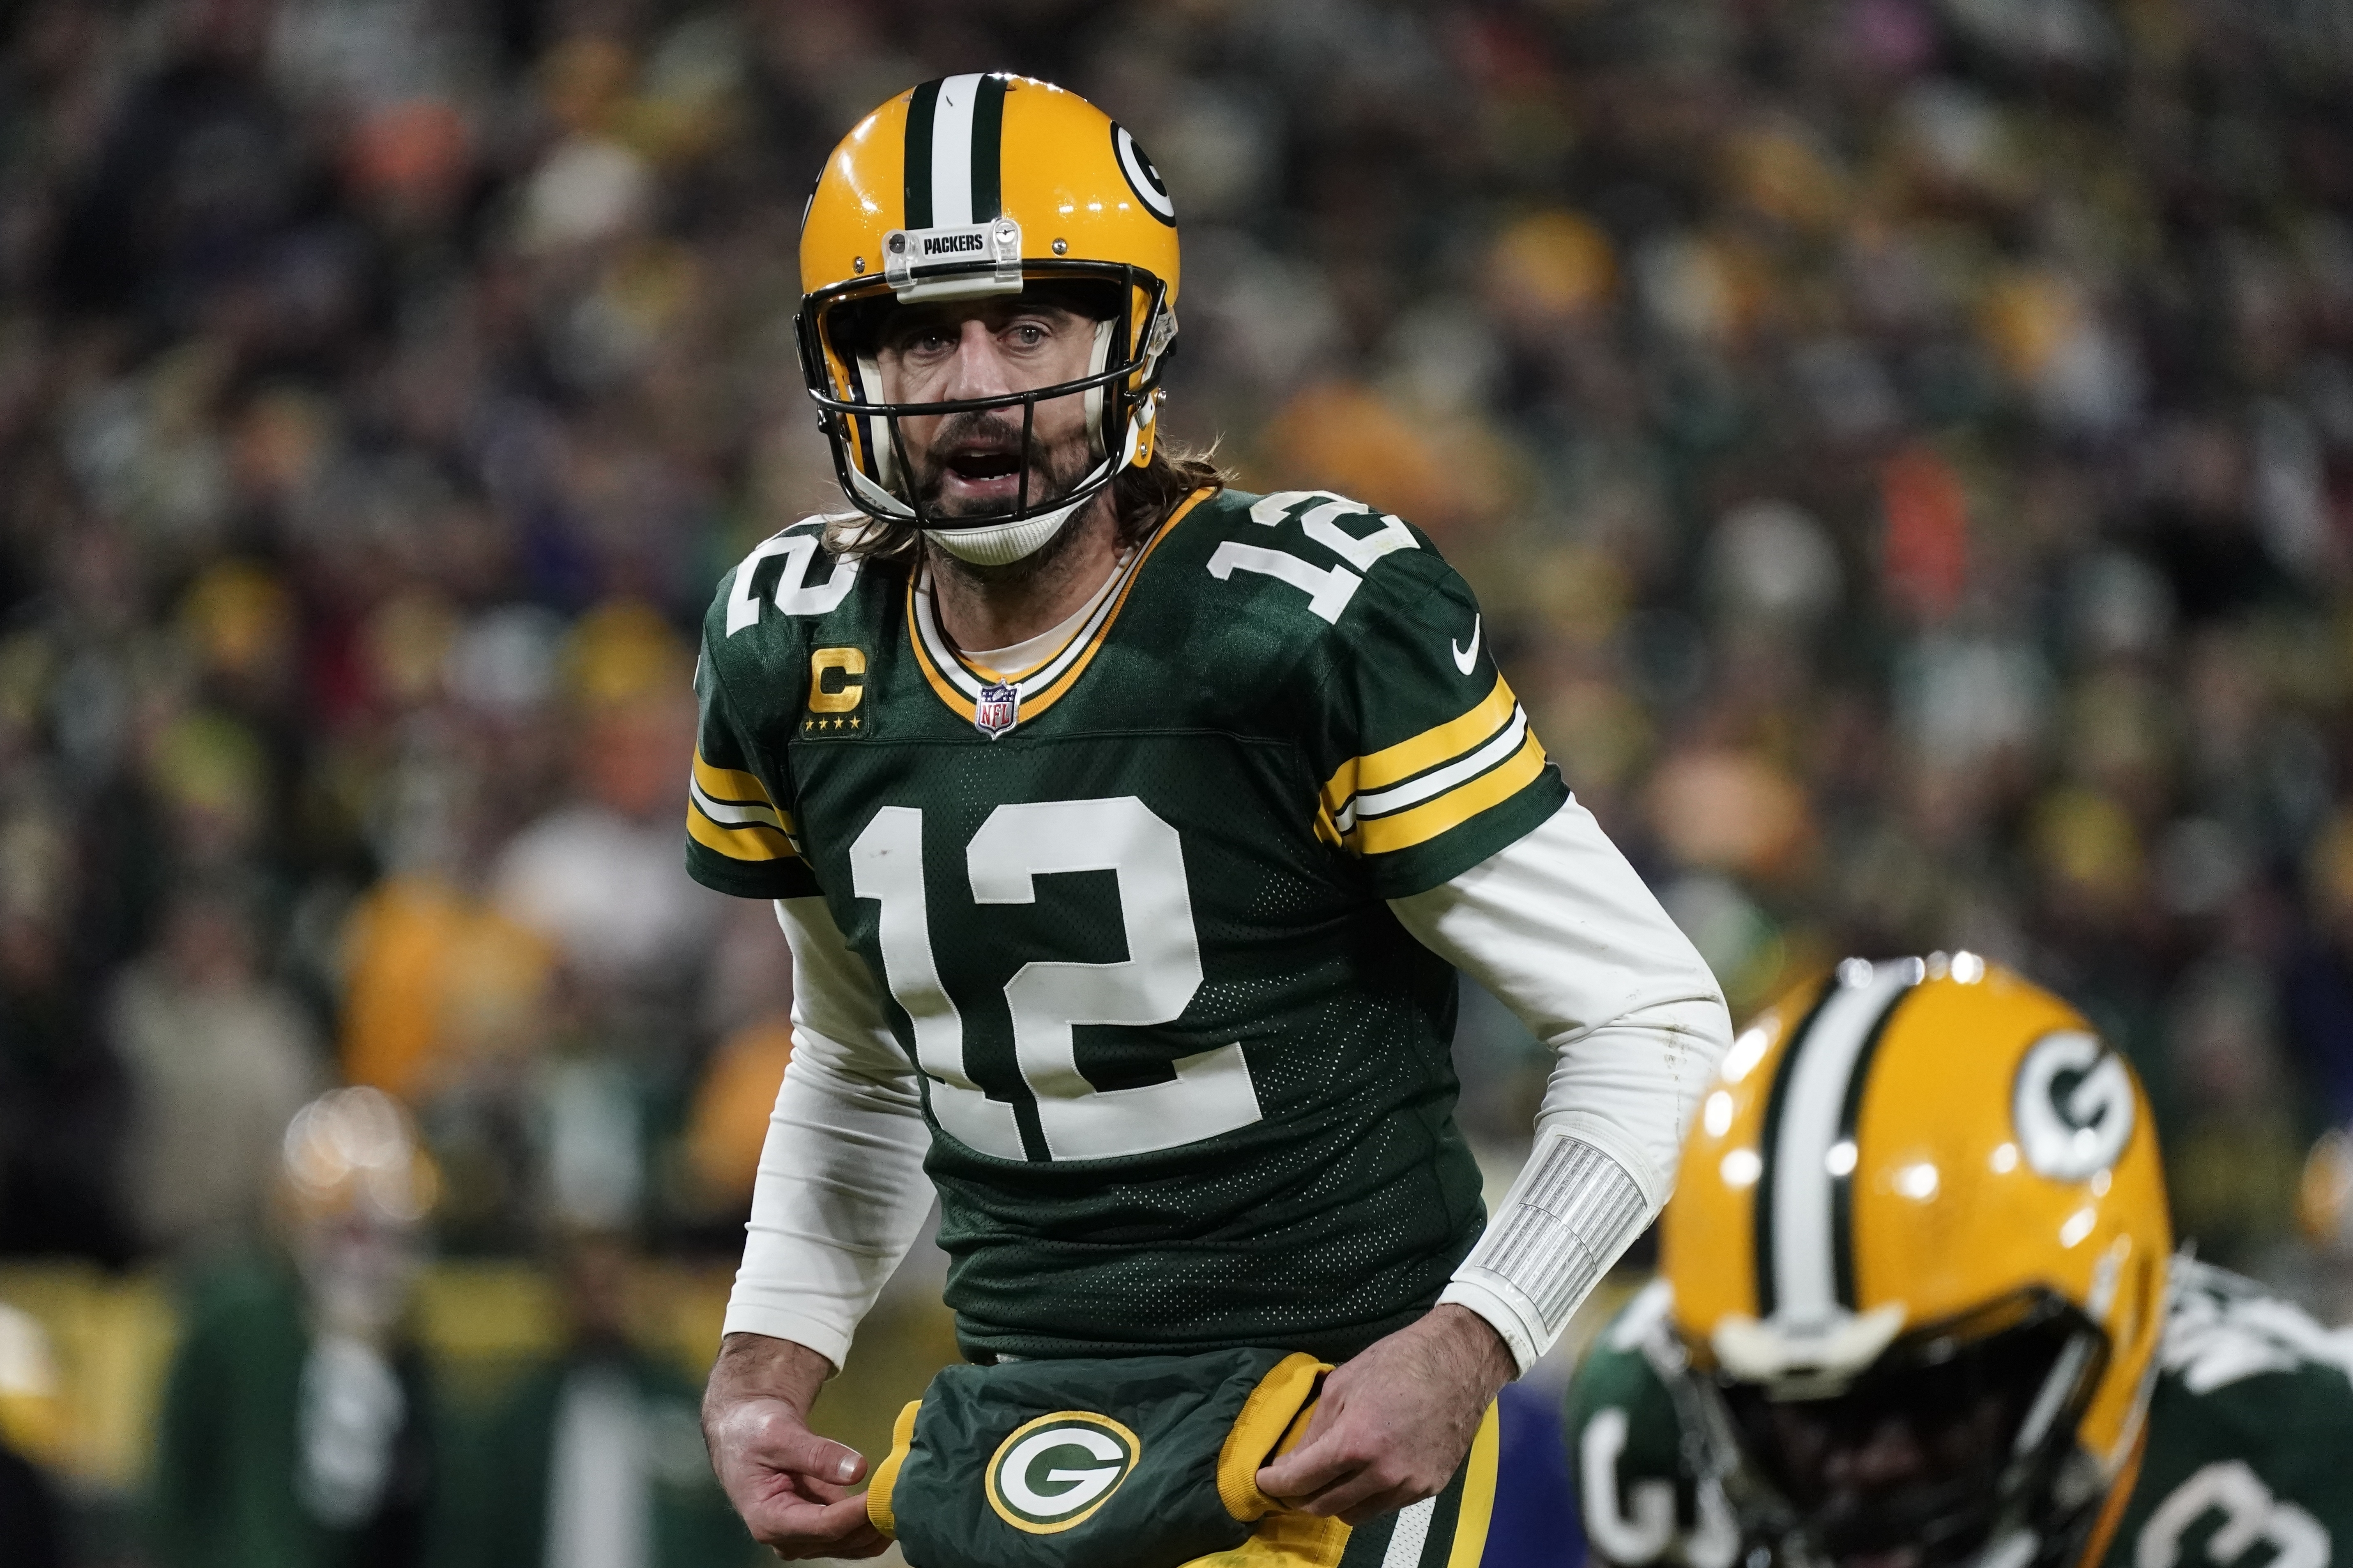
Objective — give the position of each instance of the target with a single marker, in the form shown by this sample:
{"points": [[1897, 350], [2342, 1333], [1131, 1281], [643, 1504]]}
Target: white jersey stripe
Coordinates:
{"points": [[952, 152], [1380, 802], [728, 815], [1409, 1533], [1805, 1280]]}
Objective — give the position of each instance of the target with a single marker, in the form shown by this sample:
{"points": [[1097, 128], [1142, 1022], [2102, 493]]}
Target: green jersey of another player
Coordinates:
{"points": [[2247, 1461], [1187, 1076]]}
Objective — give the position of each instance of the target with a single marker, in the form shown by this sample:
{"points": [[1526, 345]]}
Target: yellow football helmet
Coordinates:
{"points": [[972, 185], [1922, 1193]]}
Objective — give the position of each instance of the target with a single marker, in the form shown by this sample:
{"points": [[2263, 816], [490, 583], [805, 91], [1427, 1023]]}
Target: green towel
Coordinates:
{"points": [[1136, 1462]]}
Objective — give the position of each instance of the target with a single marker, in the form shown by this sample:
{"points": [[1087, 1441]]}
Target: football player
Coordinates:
{"points": [[1128, 831], [1919, 1308], [296, 1425]]}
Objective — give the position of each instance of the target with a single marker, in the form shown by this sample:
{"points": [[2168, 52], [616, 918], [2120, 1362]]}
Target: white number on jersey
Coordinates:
{"points": [[1211, 1092], [2218, 1334], [2250, 1516], [1328, 588], [1639, 1525], [795, 594]]}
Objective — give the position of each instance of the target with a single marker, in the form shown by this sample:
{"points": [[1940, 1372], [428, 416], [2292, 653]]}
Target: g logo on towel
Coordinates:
{"points": [[1054, 1472]]}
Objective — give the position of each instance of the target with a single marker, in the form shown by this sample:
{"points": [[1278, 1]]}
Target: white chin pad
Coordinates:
{"points": [[1000, 543]]}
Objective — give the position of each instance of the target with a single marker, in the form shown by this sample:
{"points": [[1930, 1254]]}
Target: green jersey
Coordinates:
{"points": [[1186, 1076], [2248, 1461]]}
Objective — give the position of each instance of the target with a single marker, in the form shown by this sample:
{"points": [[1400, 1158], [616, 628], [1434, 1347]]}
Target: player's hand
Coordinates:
{"points": [[792, 1487], [1394, 1423]]}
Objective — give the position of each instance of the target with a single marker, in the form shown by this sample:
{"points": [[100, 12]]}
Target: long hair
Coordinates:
{"points": [[1141, 497]]}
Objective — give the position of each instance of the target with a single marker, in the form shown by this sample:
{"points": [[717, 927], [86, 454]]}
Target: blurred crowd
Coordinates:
{"points": [[1905, 449]]}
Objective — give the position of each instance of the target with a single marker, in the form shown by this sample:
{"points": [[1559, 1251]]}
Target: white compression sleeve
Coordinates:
{"points": [[840, 1195], [1561, 930]]}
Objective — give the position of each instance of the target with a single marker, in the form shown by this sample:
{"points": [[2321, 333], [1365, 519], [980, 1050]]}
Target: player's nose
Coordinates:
{"points": [[977, 368]]}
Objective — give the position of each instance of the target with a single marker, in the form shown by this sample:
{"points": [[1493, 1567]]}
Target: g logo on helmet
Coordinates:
{"points": [[2074, 1105], [1054, 1472], [1142, 177]]}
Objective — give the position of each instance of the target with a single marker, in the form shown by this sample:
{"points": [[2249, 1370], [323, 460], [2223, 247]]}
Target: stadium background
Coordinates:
{"points": [[1904, 450]]}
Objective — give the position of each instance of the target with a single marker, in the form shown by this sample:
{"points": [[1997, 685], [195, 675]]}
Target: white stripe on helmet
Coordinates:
{"points": [[952, 151], [1805, 1278]]}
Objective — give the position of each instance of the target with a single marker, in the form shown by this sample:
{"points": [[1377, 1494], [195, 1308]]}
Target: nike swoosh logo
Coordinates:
{"points": [[1464, 658]]}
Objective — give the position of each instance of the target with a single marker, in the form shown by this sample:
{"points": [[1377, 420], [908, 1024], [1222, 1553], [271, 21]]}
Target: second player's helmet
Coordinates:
{"points": [[1919, 1250], [968, 187]]}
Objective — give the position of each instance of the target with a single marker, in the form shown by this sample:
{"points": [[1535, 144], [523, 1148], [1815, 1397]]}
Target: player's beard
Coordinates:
{"points": [[1053, 472]]}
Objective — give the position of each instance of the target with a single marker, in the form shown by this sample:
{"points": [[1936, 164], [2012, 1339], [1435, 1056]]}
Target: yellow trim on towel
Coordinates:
{"points": [[1284, 1538], [878, 1490], [1266, 1418]]}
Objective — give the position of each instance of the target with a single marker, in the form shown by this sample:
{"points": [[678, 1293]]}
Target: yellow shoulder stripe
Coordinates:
{"points": [[729, 784], [1441, 744], [749, 841], [1381, 835]]}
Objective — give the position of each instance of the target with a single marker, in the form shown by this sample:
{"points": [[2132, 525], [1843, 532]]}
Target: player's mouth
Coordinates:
{"points": [[981, 472]]}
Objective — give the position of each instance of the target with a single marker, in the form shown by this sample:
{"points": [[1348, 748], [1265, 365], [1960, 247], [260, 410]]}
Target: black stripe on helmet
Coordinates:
{"points": [[1843, 1186], [987, 148], [1769, 1139], [923, 105]]}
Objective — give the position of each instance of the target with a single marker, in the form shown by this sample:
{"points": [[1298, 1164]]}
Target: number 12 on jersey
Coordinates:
{"points": [[1211, 1092]]}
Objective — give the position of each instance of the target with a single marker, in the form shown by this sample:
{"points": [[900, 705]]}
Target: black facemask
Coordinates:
{"points": [[1923, 1452]]}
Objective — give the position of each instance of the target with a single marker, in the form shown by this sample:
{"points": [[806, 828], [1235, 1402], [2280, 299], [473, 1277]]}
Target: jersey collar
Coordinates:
{"points": [[958, 682]]}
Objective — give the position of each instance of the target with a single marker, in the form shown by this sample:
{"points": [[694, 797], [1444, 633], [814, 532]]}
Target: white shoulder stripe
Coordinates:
{"points": [[1396, 797], [729, 815]]}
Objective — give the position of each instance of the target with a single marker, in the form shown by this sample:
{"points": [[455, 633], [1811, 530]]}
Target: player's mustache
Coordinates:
{"points": [[998, 429], [993, 427]]}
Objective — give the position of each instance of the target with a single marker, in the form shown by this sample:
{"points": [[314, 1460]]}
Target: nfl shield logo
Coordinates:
{"points": [[997, 710]]}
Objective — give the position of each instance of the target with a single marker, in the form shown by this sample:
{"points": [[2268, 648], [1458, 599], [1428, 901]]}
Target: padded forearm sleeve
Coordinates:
{"points": [[1570, 1213], [840, 1194]]}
